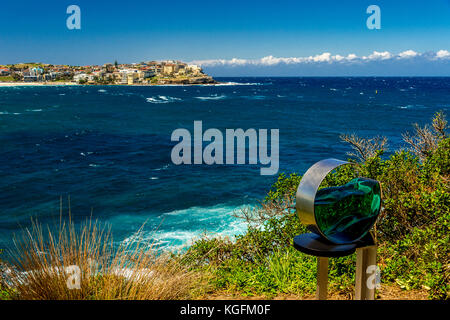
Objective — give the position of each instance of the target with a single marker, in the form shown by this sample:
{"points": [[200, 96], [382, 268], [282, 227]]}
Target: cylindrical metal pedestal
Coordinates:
{"points": [[322, 278], [366, 255]]}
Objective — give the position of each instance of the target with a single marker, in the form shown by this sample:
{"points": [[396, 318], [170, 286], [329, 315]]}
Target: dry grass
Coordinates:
{"points": [[256, 216], [364, 148], [425, 140], [44, 262], [386, 292]]}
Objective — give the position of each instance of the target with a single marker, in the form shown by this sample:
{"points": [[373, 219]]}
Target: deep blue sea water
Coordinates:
{"points": [[108, 147]]}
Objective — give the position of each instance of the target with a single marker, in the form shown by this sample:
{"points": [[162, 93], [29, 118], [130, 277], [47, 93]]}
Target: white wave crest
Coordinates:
{"points": [[212, 97], [162, 99], [178, 229]]}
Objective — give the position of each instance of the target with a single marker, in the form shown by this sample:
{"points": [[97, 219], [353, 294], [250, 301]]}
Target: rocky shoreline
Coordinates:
{"points": [[189, 81], [169, 81]]}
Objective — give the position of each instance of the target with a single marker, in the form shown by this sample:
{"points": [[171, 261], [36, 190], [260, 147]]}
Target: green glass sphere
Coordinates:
{"points": [[346, 213]]}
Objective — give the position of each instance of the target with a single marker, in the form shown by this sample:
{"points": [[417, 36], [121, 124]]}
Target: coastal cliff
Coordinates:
{"points": [[194, 80]]}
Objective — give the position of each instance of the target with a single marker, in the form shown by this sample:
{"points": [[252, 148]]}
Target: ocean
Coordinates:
{"points": [[108, 148]]}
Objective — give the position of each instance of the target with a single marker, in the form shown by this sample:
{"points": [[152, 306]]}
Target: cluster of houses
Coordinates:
{"points": [[136, 73], [4, 72], [27, 73]]}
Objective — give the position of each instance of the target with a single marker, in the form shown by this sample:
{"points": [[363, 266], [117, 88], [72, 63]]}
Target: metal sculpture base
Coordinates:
{"points": [[366, 251]]}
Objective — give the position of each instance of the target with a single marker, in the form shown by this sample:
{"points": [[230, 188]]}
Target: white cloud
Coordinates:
{"points": [[238, 61], [443, 54], [407, 54], [325, 57], [271, 60], [378, 56]]}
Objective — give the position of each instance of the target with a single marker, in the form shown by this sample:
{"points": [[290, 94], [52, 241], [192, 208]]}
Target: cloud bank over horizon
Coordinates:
{"points": [[383, 63]]}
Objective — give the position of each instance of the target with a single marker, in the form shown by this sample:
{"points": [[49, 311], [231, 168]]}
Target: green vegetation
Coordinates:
{"points": [[412, 232], [154, 80], [7, 79], [28, 65], [6, 292]]}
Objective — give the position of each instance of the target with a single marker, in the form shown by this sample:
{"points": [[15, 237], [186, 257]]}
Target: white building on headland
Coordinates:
{"points": [[82, 77], [194, 69]]}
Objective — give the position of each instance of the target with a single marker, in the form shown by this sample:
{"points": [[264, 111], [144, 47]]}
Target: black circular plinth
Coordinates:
{"points": [[313, 244]]}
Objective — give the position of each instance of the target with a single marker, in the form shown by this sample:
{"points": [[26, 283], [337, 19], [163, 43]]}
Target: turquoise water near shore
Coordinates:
{"points": [[108, 147]]}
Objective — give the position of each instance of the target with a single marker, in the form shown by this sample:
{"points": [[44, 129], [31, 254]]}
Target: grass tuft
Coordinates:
{"points": [[82, 263]]}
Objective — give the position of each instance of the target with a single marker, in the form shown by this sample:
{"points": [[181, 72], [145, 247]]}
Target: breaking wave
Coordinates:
{"points": [[212, 97], [179, 228], [162, 99]]}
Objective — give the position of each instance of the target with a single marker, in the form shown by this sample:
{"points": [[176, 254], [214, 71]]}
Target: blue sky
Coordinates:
{"points": [[214, 32]]}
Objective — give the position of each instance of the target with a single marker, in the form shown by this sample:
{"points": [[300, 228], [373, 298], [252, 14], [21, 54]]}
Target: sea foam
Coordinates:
{"points": [[176, 230], [212, 97], [162, 99]]}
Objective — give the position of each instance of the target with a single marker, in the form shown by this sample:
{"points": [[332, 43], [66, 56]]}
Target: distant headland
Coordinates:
{"points": [[143, 73]]}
